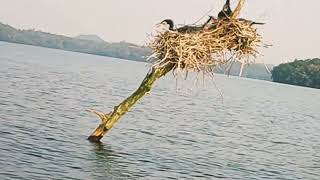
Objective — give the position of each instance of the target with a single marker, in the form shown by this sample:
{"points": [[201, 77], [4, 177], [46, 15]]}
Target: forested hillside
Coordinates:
{"points": [[300, 72]]}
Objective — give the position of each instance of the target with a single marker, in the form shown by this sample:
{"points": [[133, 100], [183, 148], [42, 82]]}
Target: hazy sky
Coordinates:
{"points": [[292, 25]]}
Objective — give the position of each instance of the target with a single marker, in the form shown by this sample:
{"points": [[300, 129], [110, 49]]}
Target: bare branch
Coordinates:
{"points": [[236, 12]]}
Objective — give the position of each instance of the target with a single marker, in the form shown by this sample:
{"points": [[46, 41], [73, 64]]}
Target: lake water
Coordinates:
{"points": [[261, 130]]}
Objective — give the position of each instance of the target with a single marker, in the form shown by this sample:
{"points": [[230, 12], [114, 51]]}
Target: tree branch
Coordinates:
{"points": [[108, 120], [236, 12]]}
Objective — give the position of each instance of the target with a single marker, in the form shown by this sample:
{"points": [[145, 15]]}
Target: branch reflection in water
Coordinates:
{"points": [[108, 163]]}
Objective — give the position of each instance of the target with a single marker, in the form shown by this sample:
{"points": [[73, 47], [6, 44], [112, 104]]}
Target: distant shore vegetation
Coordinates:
{"points": [[300, 72]]}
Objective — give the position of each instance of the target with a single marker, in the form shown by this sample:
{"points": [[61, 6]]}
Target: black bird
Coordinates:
{"points": [[226, 11], [187, 28]]}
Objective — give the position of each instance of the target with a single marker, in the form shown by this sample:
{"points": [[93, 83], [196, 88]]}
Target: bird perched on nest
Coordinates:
{"points": [[226, 11], [186, 29], [210, 24]]}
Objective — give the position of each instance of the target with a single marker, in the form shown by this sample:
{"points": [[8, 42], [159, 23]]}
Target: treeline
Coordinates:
{"points": [[300, 72], [121, 50]]}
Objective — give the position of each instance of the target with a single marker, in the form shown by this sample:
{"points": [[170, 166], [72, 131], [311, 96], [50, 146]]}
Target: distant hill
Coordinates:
{"points": [[90, 37], [90, 44]]}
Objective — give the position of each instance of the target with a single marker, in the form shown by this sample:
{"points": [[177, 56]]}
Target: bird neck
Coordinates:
{"points": [[171, 25]]}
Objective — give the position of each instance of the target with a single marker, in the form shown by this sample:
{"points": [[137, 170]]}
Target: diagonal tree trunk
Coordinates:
{"points": [[108, 120]]}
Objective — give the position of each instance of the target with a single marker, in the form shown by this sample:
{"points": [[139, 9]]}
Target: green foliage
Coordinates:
{"points": [[121, 50], [300, 72]]}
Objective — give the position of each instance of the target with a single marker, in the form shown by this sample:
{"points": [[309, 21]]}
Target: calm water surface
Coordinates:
{"points": [[261, 130]]}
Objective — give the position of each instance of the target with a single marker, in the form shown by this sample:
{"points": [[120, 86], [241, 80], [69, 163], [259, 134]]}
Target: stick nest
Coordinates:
{"points": [[203, 50]]}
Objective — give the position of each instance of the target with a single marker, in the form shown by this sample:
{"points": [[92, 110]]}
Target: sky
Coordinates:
{"points": [[292, 26]]}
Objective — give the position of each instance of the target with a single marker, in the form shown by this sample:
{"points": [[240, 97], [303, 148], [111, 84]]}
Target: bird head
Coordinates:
{"points": [[167, 23], [226, 6]]}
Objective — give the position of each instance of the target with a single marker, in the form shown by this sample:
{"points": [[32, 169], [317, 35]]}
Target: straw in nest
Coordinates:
{"points": [[203, 50]]}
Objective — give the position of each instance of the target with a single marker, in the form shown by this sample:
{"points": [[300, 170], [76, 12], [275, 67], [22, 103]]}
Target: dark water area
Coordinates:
{"points": [[261, 130]]}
